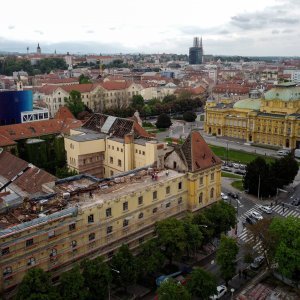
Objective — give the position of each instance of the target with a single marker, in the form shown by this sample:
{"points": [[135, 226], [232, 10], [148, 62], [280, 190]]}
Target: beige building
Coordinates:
{"points": [[84, 216], [105, 146], [272, 119]]}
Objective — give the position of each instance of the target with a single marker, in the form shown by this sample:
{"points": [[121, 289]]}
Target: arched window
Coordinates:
{"points": [[200, 198], [212, 191]]}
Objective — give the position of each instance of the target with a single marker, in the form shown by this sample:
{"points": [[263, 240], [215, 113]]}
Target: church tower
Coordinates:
{"points": [[38, 49]]}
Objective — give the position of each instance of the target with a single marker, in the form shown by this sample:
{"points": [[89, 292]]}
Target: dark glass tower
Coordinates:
{"points": [[196, 52]]}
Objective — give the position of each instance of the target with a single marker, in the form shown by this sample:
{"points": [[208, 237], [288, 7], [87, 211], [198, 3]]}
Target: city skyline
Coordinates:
{"points": [[251, 28]]}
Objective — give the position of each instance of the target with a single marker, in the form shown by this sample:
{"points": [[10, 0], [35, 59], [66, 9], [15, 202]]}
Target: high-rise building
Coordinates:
{"points": [[196, 52], [38, 49]]}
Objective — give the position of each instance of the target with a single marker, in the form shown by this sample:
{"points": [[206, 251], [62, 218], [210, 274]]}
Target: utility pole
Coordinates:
{"points": [[258, 190], [227, 153]]}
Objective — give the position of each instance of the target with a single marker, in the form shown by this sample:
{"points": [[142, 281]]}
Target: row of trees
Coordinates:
{"points": [[12, 64], [93, 279], [264, 179]]}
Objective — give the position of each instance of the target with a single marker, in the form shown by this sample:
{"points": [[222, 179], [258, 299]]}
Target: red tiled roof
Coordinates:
{"points": [[64, 113], [115, 85], [5, 141], [82, 88], [30, 181], [35, 129]]}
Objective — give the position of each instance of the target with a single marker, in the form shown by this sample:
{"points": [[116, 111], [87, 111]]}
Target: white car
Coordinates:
{"points": [[224, 196], [256, 215], [265, 208], [221, 291], [236, 166]]}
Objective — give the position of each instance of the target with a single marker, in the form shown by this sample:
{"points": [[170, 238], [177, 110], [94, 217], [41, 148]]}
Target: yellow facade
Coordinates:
{"points": [[98, 223], [272, 120]]}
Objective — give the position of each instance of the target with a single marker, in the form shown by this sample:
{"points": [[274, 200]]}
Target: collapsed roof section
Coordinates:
{"points": [[115, 126]]}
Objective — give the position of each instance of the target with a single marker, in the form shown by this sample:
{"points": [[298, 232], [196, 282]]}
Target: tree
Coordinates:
{"points": [[64, 172], [171, 290], [222, 215], [125, 263], [226, 257], [36, 285], [137, 102], [171, 237], [149, 260], [74, 103], [169, 98], [205, 225], [287, 252], [202, 284], [84, 79], [72, 285], [163, 121], [97, 278], [189, 116], [193, 234]]}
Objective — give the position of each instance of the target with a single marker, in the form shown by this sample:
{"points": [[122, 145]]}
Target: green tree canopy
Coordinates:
{"points": [[171, 290], [64, 172], [226, 257], [205, 225], [84, 79], [72, 285], [74, 103], [171, 237], [97, 277], [222, 215], [36, 285], [189, 116], [137, 102], [287, 252], [163, 121], [169, 98], [150, 259], [124, 262], [202, 284]]}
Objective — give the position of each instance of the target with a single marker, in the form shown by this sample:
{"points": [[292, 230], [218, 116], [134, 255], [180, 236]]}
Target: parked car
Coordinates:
{"points": [[240, 172], [242, 167], [229, 164], [256, 215], [224, 196], [257, 263], [283, 152], [226, 169], [296, 202], [236, 166], [221, 291], [250, 220], [233, 195], [265, 208]]}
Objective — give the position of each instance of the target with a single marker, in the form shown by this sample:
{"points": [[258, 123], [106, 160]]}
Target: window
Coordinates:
{"points": [[141, 215], [168, 204], [125, 222], [72, 226], [174, 165], [53, 252], [117, 148], [121, 149], [201, 198], [212, 192], [109, 229], [51, 234], [119, 162], [7, 271], [140, 152], [108, 212], [180, 185], [125, 206], [140, 200], [73, 243], [111, 160], [180, 200], [29, 242], [154, 195], [111, 173], [154, 210], [91, 219], [113, 147], [31, 261], [167, 190], [92, 236], [201, 180], [212, 176], [143, 152], [5, 251]]}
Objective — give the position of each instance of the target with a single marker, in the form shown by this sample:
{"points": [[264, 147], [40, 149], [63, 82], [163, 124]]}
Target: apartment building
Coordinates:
{"points": [[84, 216], [105, 146]]}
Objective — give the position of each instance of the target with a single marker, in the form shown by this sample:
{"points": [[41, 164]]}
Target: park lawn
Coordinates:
{"points": [[230, 175], [238, 184], [237, 155]]}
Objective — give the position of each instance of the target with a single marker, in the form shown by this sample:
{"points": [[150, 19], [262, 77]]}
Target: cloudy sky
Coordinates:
{"points": [[231, 27]]}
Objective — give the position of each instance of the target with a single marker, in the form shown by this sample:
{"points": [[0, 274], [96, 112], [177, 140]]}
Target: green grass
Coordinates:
{"points": [[230, 175], [238, 184], [237, 155]]}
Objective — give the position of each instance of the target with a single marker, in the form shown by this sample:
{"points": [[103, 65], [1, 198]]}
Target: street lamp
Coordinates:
{"points": [[232, 291], [118, 272]]}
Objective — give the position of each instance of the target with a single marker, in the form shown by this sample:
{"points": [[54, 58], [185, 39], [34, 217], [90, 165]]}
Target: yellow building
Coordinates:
{"points": [[273, 119], [84, 216], [105, 146]]}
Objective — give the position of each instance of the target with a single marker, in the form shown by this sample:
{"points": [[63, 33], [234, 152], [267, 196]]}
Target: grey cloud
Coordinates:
{"points": [[11, 27], [285, 21], [112, 28], [275, 31], [241, 19], [288, 31], [90, 31], [224, 31], [39, 32]]}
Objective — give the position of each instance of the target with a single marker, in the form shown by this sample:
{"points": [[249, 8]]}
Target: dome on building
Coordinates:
{"points": [[252, 104], [287, 91]]}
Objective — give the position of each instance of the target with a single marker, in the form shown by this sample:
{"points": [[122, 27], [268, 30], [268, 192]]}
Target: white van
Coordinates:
{"points": [[297, 153]]}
